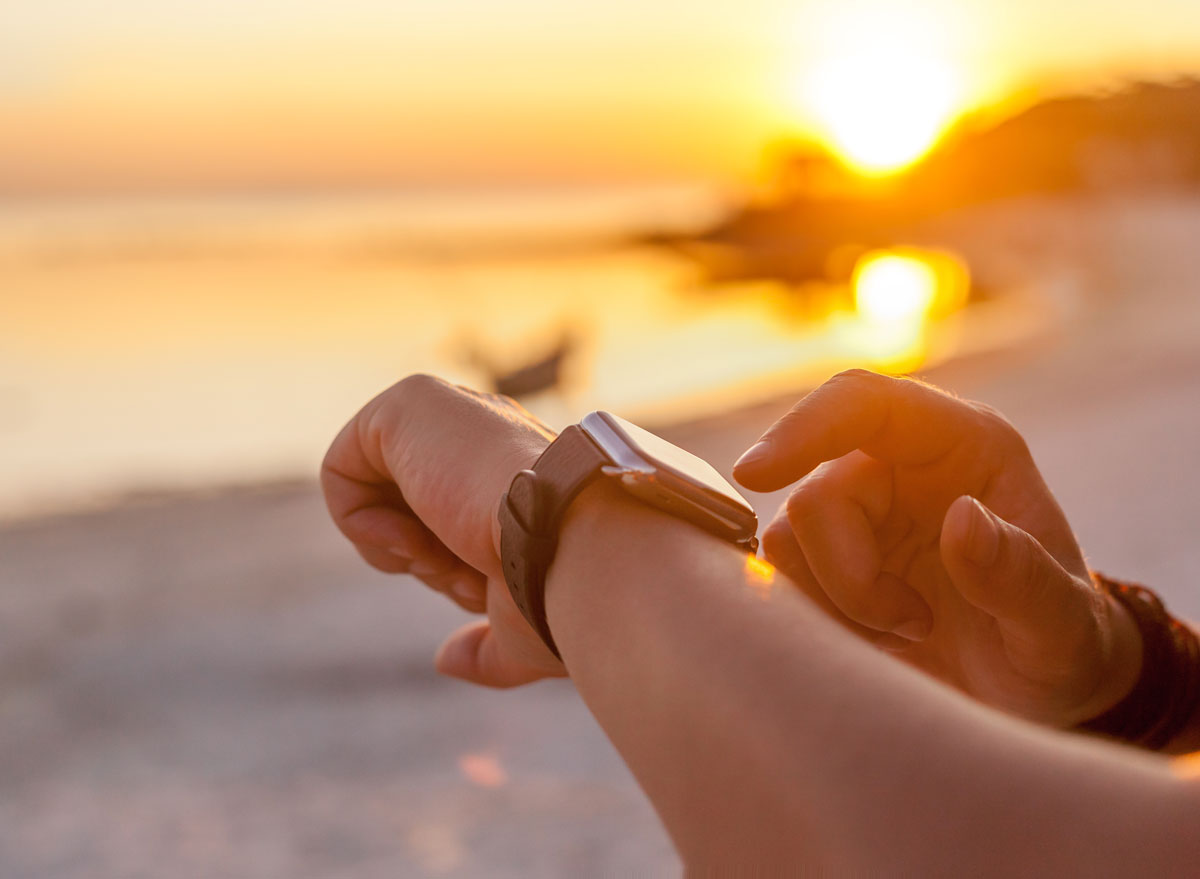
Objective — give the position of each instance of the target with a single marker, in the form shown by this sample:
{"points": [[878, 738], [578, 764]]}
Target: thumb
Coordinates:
{"points": [[1009, 575], [474, 653]]}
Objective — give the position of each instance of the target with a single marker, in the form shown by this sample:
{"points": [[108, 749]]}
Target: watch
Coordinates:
{"points": [[603, 446]]}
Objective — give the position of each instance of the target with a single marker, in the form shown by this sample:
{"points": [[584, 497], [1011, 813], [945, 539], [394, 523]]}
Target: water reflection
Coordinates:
{"points": [[152, 369], [893, 287], [897, 294]]}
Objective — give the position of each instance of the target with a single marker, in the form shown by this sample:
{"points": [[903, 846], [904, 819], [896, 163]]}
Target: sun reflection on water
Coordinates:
{"points": [[250, 359], [898, 293], [891, 286]]}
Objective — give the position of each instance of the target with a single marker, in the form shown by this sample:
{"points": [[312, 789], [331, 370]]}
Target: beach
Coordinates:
{"points": [[214, 681]]}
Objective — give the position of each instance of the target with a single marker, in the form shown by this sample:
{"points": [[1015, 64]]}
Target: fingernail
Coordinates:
{"points": [[914, 630], [754, 454], [983, 536]]}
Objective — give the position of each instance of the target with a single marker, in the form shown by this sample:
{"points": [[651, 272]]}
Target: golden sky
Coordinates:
{"points": [[136, 94]]}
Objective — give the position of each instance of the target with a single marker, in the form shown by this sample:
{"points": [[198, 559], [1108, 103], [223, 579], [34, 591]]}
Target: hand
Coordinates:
{"points": [[921, 523], [414, 481]]}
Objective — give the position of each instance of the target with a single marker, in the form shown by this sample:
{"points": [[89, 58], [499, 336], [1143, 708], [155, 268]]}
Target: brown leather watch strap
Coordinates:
{"points": [[530, 514]]}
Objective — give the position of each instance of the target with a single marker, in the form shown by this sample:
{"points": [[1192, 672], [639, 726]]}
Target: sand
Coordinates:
{"points": [[216, 686]]}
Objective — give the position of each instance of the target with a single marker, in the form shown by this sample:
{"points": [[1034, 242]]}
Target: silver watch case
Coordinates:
{"points": [[665, 476]]}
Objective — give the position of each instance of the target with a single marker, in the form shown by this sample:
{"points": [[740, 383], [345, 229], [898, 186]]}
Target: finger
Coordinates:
{"points": [[375, 461], [367, 505], [1009, 575], [896, 420], [461, 583], [473, 653], [384, 560], [379, 532], [782, 551], [465, 586], [355, 482], [834, 513], [363, 495]]}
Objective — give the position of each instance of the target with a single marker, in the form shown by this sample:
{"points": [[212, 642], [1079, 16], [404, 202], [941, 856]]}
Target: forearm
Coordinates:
{"points": [[764, 734]]}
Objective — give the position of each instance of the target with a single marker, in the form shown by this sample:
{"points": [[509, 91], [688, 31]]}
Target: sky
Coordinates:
{"points": [[168, 94]]}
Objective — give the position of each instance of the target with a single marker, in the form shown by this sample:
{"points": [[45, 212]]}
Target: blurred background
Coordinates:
{"points": [[225, 226]]}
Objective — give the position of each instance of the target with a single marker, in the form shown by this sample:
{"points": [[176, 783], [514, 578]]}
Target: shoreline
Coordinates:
{"points": [[1015, 322], [216, 680]]}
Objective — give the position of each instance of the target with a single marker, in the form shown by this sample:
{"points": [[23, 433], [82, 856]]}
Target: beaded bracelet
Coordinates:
{"points": [[1167, 692]]}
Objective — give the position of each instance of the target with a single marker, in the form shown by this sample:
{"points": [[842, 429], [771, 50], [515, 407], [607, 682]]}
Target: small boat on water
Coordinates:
{"points": [[543, 374]]}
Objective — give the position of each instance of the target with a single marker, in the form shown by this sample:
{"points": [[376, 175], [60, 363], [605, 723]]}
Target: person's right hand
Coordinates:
{"points": [[414, 481], [922, 524]]}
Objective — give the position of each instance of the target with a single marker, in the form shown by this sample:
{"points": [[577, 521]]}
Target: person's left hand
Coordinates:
{"points": [[414, 481]]}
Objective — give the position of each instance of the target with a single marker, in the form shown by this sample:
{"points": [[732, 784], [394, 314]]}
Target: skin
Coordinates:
{"points": [[921, 523], [414, 481], [767, 738]]}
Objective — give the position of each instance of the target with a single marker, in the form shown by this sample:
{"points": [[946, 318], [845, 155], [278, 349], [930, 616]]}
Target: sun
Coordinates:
{"points": [[883, 89]]}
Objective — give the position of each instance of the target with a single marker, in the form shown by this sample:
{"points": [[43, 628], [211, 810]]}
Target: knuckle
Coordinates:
{"points": [[998, 429], [418, 383], [910, 391], [801, 503], [778, 537], [808, 523], [855, 382], [810, 498], [858, 374]]}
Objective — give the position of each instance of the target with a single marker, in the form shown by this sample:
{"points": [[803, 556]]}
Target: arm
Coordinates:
{"points": [[761, 731], [765, 735]]}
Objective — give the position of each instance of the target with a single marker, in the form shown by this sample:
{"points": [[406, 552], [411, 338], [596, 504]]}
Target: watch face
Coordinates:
{"points": [[640, 453]]}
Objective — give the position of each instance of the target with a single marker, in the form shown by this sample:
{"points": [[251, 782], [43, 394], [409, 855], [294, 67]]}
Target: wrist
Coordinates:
{"points": [[1159, 711], [522, 458], [1124, 660], [603, 515], [619, 566], [604, 448]]}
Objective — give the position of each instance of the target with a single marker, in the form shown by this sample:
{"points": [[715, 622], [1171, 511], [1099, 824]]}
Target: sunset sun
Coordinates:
{"points": [[883, 90]]}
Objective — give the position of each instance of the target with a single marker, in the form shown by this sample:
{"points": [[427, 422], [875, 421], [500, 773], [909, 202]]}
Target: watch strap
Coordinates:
{"points": [[531, 514]]}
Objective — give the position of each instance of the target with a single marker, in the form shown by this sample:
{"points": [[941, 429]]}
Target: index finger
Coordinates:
{"points": [[896, 420]]}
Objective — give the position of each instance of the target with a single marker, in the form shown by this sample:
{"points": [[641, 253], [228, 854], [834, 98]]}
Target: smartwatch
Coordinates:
{"points": [[603, 446]]}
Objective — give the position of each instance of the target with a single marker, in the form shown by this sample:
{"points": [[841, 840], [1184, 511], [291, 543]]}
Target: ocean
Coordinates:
{"points": [[159, 344]]}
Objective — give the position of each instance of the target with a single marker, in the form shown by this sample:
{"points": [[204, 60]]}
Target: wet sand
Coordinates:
{"points": [[216, 686]]}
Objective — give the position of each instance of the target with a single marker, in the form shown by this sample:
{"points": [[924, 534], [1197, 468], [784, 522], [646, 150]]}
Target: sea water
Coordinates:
{"points": [[171, 343]]}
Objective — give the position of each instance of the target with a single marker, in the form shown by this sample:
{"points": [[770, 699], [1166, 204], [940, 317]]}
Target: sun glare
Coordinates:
{"points": [[884, 90], [891, 287], [898, 294]]}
